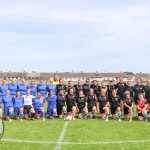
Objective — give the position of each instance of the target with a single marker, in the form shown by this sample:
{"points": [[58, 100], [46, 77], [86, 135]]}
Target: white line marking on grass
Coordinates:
{"points": [[73, 143], [62, 134]]}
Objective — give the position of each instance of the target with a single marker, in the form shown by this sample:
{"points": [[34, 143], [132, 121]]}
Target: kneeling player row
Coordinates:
{"points": [[67, 105]]}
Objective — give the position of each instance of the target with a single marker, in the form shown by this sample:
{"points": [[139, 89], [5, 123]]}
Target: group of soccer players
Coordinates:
{"points": [[64, 101]]}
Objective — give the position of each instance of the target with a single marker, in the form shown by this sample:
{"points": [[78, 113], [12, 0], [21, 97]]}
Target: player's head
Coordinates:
{"points": [[61, 92], [7, 92], [87, 81], [141, 96], [148, 82], [51, 93], [103, 84], [81, 93], [91, 92], [13, 80], [41, 80], [111, 83], [51, 80], [32, 83], [79, 82], [18, 93], [70, 83], [71, 91], [95, 82], [127, 94], [56, 78], [121, 79], [129, 83], [39, 94], [60, 81], [28, 92], [4, 81], [103, 91], [23, 81], [114, 93], [138, 81]]}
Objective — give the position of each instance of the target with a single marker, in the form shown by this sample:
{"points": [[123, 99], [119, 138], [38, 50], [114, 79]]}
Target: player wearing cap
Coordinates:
{"points": [[86, 87], [3, 88], [51, 109], [18, 102], [121, 88], [71, 103], [33, 88], [96, 88], [128, 106], [103, 104], [78, 87], [61, 107], [8, 105], [115, 106], [81, 105], [51, 86], [28, 108], [42, 87], [38, 103], [92, 103], [22, 87], [13, 87], [142, 106]]}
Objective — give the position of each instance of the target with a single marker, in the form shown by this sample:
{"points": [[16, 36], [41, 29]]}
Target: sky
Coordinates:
{"points": [[75, 35]]}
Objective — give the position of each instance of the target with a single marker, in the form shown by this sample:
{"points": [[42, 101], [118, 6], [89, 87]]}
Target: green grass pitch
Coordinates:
{"points": [[78, 135]]}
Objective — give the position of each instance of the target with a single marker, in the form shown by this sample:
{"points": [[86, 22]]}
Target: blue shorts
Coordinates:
{"points": [[6, 111], [50, 111], [16, 111], [37, 110]]}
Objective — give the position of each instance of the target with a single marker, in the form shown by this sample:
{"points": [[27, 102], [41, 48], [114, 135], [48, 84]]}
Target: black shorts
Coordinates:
{"points": [[121, 97], [113, 109], [140, 114], [90, 108], [69, 108], [135, 100], [27, 109], [126, 111], [101, 110], [59, 110], [81, 108]]}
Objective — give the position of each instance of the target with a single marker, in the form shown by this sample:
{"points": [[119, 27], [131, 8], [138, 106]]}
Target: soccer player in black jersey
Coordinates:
{"points": [[147, 91], [121, 88], [128, 106], [103, 104], [96, 88], [130, 88], [138, 88], [115, 106], [92, 103], [110, 88], [81, 105], [61, 107], [78, 87], [60, 86], [86, 87], [70, 86], [71, 103]]}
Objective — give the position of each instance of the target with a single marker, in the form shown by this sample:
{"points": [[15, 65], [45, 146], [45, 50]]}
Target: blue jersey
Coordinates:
{"points": [[42, 89], [51, 87], [33, 90], [51, 101], [13, 88], [22, 88], [3, 89], [7, 100], [18, 102], [38, 102]]}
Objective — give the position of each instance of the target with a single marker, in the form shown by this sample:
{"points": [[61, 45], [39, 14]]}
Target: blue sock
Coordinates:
{"points": [[21, 115], [43, 114]]}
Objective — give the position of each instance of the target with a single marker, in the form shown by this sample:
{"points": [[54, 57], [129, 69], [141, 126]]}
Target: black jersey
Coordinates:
{"points": [[61, 99], [138, 89], [81, 101], [121, 87], [128, 101], [91, 100], [115, 101], [70, 87], [70, 100], [86, 89], [60, 87], [130, 89], [147, 92], [110, 89], [103, 101], [78, 88], [96, 89]]}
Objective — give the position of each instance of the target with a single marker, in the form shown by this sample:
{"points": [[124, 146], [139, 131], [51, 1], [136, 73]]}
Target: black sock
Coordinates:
{"points": [[32, 115]]}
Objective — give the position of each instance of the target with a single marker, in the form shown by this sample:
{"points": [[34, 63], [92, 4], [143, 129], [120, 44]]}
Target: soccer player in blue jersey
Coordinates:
{"points": [[42, 87], [38, 103], [3, 88], [33, 88], [22, 87], [51, 109], [18, 106], [51, 86], [13, 87], [8, 105]]}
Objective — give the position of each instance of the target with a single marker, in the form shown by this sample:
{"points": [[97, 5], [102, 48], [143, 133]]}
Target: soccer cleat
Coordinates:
{"points": [[32, 119], [119, 119], [106, 119], [10, 120], [21, 120], [43, 119], [73, 119], [85, 118], [93, 116], [146, 120], [130, 120]]}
